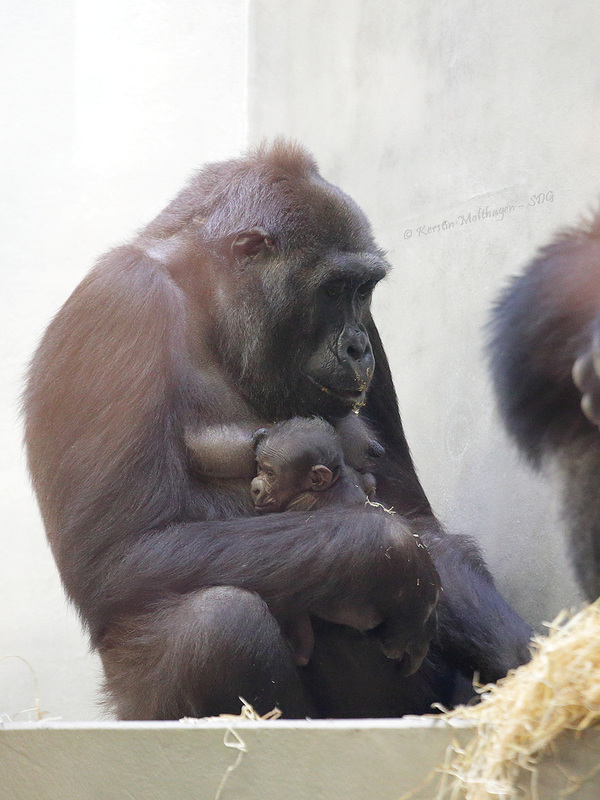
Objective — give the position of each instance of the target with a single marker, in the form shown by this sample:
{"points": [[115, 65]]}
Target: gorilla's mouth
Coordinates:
{"points": [[350, 397]]}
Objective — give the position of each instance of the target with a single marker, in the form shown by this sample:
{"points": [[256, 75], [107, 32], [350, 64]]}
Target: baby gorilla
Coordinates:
{"points": [[301, 466]]}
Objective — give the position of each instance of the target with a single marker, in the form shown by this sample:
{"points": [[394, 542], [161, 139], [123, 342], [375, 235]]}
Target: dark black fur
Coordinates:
{"points": [[544, 333], [245, 302]]}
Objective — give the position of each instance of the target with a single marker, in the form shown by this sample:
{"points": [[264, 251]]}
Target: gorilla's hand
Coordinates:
{"points": [[394, 604], [586, 375], [406, 636], [411, 623]]}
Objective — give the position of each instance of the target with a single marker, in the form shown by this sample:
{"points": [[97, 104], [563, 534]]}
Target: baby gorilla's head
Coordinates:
{"points": [[300, 455]]}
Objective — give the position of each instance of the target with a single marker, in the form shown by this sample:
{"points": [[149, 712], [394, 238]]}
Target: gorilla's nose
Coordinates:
{"points": [[354, 343], [354, 348]]}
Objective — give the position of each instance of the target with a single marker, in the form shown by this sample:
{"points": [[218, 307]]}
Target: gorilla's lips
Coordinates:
{"points": [[349, 397], [352, 398]]}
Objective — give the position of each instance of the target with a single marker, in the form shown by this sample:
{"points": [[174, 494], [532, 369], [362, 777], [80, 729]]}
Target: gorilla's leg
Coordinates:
{"points": [[196, 655]]}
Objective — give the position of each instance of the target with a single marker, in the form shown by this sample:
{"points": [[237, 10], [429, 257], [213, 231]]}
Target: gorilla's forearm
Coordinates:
{"points": [[478, 630], [296, 562]]}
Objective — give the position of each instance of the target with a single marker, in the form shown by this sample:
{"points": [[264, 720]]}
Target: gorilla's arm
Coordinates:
{"points": [[106, 447], [477, 629], [397, 481], [544, 337], [297, 563]]}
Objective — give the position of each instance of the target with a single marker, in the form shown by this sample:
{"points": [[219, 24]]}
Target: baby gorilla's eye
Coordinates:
{"points": [[269, 473]]}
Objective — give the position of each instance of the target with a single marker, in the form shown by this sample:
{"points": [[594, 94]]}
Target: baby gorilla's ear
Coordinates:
{"points": [[258, 436], [321, 478]]}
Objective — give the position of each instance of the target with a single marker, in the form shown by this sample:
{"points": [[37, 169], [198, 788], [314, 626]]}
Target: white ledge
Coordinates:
{"points": [[276, 760]]}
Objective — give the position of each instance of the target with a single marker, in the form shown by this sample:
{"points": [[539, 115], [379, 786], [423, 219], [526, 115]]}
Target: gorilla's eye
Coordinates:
{"points": [[335, 288], [364, 290]]}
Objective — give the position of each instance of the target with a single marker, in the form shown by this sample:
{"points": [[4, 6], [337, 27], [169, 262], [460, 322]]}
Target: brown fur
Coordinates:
{"points": [[245, 302]]}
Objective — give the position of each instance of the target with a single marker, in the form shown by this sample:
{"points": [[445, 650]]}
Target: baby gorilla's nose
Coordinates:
{"points": [[257, 489]]}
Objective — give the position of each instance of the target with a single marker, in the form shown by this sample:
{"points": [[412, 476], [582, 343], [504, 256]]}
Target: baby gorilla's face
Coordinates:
{"points": [[276, 485], [286, 470]]}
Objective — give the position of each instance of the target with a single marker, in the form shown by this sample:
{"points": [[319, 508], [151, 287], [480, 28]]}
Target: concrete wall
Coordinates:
{"points": [[423, 111], [107, 107], [426, 113]]}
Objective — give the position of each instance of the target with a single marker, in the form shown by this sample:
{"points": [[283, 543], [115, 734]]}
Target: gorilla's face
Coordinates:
{"points": [[339, 366], [293, 324]]}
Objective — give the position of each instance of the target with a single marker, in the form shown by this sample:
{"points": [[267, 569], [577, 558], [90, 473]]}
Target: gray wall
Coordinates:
{"points": [[107, 107], [423, 111]]}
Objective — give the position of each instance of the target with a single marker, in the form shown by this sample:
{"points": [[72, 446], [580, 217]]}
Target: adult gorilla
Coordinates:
{"points": [[245, 302], [545, 358]]}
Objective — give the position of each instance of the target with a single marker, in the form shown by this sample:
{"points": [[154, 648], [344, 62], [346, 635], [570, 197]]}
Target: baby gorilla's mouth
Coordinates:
{"points": [[262, 507], [267, 505]]}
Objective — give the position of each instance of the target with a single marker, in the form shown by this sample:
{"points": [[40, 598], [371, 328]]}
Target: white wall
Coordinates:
{"points": [[107, 107], [426, 112], [422, 111]]}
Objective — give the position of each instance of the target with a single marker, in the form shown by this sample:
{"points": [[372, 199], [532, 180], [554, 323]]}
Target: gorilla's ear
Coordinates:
{"points": [[251, 243], [321, 478]]}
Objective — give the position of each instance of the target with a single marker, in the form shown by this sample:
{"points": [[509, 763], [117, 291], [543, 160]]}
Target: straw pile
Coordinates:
{"points": [[519, 718]]}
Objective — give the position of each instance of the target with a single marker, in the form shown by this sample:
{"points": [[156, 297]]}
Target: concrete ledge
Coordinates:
{"points": [[280, 760]]}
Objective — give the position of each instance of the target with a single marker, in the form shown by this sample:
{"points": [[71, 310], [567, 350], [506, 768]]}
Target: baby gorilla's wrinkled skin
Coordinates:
{"points": [[280, 485], [301, 466]]}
